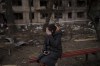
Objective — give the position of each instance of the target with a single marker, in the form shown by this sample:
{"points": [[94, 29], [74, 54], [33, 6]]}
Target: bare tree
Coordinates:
{"points": [[10, 15], [92, 14], [8, 12], [50, 10]]}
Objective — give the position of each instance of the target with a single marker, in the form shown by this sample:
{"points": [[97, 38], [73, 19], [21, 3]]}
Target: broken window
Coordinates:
{"points": [[58, 15], [17, 2], [32, 4], [57, 4], [70, 15], [32, 15], [18, 16], [81, 3], [80, 14], [43, 2], [2, 1], [43, 15], [3, 7]]}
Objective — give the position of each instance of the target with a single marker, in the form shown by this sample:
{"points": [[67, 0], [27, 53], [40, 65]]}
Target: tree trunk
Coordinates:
{"points": [[10, 16], [49, 10], [30, 13]]}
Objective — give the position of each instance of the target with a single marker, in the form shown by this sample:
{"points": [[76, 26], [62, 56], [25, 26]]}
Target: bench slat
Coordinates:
{"points": [[73, 53], [80, 52]]}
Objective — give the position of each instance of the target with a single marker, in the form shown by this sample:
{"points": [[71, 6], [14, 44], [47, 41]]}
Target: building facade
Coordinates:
{"points": [[69, 11]]}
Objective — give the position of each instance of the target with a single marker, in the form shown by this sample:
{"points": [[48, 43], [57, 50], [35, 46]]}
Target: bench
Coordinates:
{"points": [[85, 52], [73, 53]]}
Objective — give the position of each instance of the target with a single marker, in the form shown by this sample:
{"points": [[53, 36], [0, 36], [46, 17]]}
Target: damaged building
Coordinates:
{"points": [[69, 11]]}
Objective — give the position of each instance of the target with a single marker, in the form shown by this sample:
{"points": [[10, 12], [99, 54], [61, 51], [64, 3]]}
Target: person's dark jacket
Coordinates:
{"points": [[53, 43]]}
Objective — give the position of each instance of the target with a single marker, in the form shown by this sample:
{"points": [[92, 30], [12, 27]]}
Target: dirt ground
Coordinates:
{"points": [[20, 55]]}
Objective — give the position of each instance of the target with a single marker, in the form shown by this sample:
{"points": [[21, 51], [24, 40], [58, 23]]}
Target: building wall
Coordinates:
{"points": [[36, 9]]}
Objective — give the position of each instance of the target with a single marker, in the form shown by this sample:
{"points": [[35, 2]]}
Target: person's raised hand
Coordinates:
{"points": [[48, 32], [58, 27], [46, 52]]}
